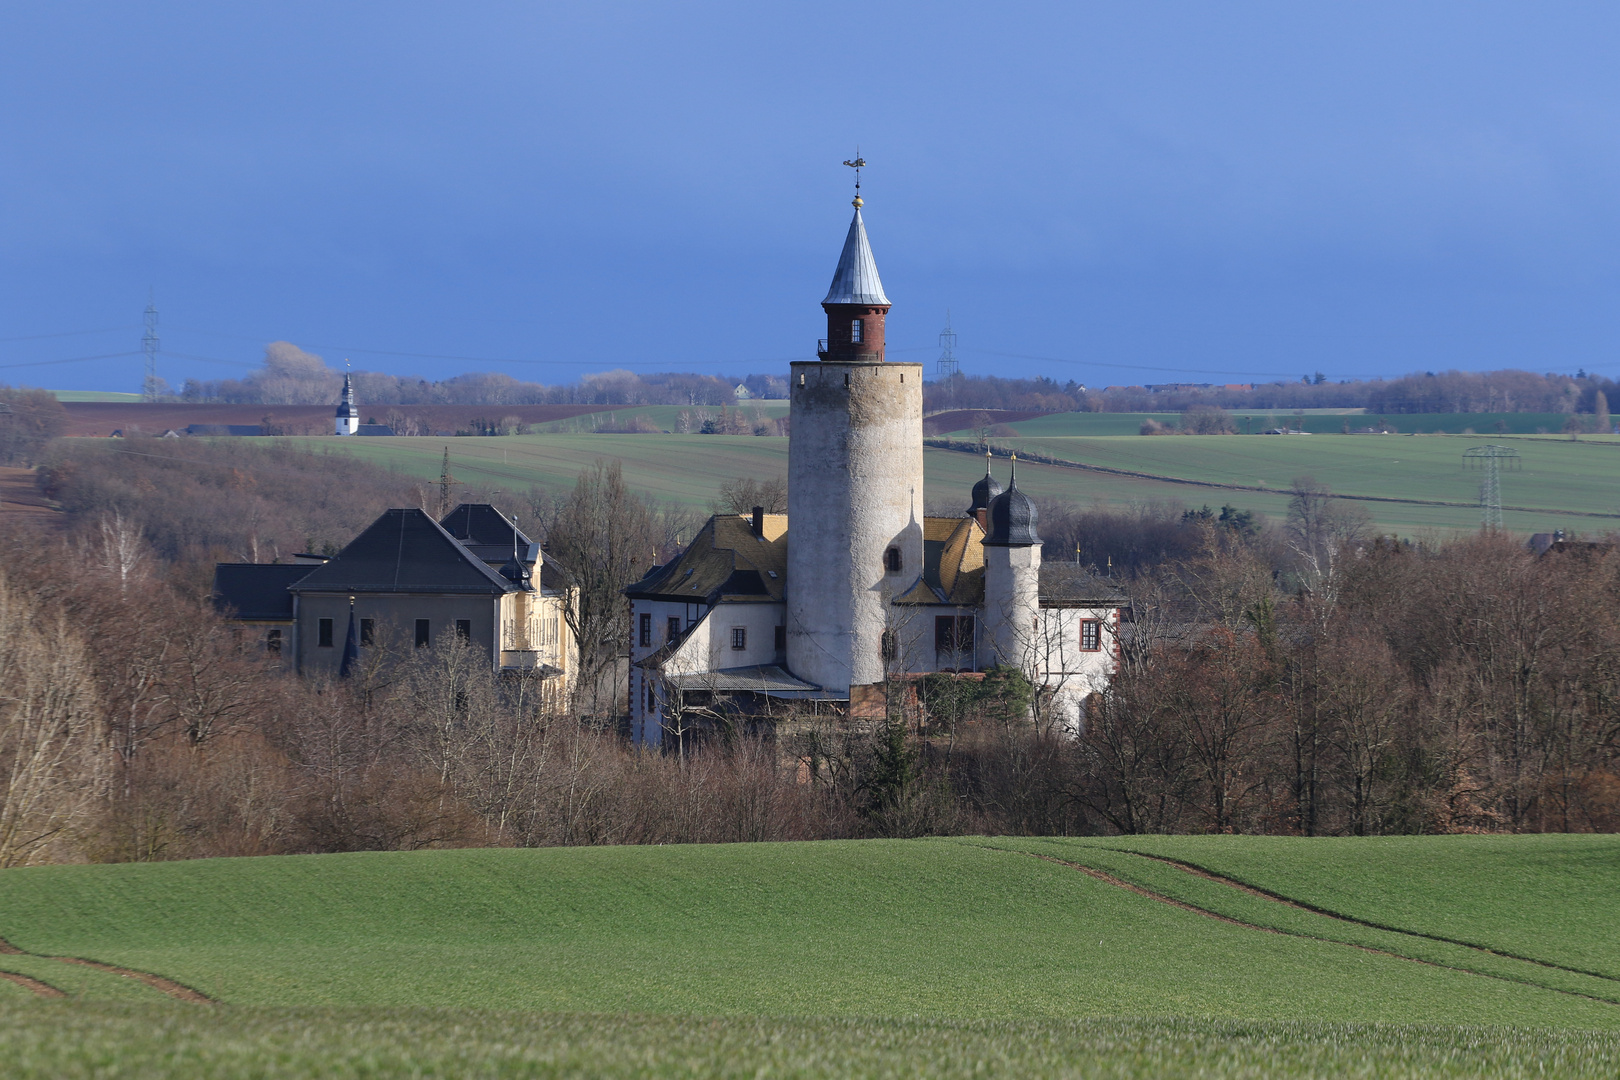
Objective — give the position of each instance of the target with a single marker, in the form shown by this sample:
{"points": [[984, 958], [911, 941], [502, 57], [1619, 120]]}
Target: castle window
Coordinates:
{"points": [[421, 633], [272, 640], [891, 560], [739, 637], [674, 627], [855, 331], [1090, 635], [890, 644], [464, 629], [368, 631], [953, 639], [323, 634], [781, 639], [646, 630]]}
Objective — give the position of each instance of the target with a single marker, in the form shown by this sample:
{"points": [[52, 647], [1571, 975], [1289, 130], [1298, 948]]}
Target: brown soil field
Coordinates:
{"points": [[19, 496], [102, 418], [962, 419]]}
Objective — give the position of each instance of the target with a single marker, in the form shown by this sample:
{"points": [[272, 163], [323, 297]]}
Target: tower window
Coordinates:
{"points": [[890, 644], [855, 331], [891, 560]]}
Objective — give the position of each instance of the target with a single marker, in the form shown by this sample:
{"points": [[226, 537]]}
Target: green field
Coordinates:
{"points": [[1316, 421], [1428, 956], [1415, 484], [94, 395]]}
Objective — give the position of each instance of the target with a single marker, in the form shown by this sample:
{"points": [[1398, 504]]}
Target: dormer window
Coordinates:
{"points": [[855, 331]]}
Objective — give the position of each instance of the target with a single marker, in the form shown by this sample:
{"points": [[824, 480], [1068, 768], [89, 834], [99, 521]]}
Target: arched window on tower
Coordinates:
{"points": [[855, 331], [891, 560]]}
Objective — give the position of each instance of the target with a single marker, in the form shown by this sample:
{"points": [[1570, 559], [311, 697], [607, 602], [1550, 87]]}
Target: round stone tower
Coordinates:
{"points": [[855, 484], [1012, 579]]}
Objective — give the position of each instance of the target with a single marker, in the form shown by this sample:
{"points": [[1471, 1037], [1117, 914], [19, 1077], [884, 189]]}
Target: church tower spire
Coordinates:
{"points": [[856, 306], [348, 417]]}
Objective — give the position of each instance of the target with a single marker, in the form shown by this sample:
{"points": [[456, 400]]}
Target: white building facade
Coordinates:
{"points": [[864, 588]]}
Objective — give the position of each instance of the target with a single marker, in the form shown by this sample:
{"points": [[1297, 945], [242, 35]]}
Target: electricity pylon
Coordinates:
{"points": [[1490, 458]]}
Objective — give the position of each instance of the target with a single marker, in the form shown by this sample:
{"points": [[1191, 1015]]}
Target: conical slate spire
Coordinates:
{"points": [[856, 279]]}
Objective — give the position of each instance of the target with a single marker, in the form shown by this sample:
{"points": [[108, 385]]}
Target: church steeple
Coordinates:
{"points": [[856, 305], [348, 417]]}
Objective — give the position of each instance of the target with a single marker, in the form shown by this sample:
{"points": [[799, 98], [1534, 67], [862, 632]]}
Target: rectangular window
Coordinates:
{"points": [[272, 640], [953, 638], [368, 632], [855, 331], [421, 633], [323, 633], [1090, 635], [674, 627], [464, 629], [889, 644], [739, 637], [646, 629], [781, 639]]}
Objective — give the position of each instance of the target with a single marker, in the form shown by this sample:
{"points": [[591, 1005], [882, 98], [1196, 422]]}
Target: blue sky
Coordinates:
{"points": [[1128, 192]]}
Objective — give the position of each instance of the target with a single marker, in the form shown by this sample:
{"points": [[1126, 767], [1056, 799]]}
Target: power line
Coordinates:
{"points": [[71, 333], [71, 360]]}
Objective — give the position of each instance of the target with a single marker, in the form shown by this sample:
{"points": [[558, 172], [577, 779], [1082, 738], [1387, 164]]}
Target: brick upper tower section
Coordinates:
{"points": [[855, 304]]}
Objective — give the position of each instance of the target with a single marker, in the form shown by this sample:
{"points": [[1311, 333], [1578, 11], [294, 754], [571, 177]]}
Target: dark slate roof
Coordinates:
{"points": [[1012, 518], [482, 524], [257, 590], [985, 490], [406, 551]]}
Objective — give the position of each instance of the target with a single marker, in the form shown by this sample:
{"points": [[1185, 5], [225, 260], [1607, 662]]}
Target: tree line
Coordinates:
{"points": [[1301, 677]]}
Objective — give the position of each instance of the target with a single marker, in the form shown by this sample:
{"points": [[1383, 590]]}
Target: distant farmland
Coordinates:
{"points": [[1412, 483]]}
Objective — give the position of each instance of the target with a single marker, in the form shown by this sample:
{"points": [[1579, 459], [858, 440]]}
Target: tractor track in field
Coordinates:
{"points": [[1266, 894], [1170, 901], [43, 989], [162, 984]]}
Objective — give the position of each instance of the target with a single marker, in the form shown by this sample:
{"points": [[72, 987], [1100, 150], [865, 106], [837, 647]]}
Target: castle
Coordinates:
{"points": [[864, 590]]}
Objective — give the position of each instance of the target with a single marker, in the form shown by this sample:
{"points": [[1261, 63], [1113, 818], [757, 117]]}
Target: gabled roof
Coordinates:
{"points": [[725, 561], [405, 551], [856, 279], [480, 524], [257, 591], [953, 564]]}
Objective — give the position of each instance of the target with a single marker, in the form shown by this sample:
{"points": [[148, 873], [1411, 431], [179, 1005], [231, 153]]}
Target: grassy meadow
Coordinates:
{"points": [[1411, 484], [1423, 956]]}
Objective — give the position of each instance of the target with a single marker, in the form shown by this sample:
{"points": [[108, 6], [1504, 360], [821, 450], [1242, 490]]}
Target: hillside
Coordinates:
{"points": [[1406, 484], [1241, 956], [943, 929]]}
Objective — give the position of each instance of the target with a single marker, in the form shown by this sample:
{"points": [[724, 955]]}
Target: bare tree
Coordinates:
{"points": [[50, 766]]}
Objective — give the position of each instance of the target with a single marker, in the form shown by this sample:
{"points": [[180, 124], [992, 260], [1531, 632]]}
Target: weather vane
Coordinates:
{"points": [[858, 164]]}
